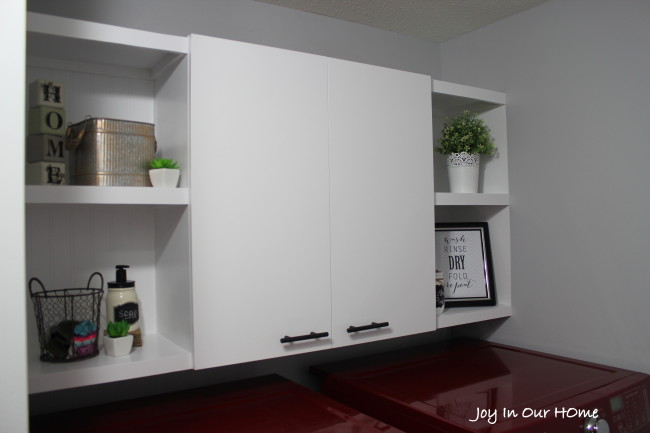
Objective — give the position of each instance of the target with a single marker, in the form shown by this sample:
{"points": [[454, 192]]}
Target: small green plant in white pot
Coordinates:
{"points": [[164, 173], [118, 342], [464, 139]]}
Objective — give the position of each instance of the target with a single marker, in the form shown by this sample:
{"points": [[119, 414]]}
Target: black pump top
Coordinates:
{"points": [[120, 279]]}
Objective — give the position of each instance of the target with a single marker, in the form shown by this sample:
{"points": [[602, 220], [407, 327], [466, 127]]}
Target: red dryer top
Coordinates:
{"points": [[475, 386], [268, 404]]}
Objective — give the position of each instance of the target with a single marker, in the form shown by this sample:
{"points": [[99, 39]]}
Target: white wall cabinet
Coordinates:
{"points": [[310, 207], [260, 201], [311, 201], [381, 194]]}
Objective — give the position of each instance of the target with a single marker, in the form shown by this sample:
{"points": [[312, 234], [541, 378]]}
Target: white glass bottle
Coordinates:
{"points": [[122, 300]]}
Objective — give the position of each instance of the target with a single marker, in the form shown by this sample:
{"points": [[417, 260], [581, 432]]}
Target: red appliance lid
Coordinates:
{"points": [[454, 382]]}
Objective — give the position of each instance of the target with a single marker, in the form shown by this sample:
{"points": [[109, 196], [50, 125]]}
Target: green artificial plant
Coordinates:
{"points": [[117, 329], [164, 163], [466, 133]]}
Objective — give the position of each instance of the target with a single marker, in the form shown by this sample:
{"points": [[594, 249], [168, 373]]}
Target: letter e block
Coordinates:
{"points": [[45, 93], [47, 120], [45, 173], [50, 148]]}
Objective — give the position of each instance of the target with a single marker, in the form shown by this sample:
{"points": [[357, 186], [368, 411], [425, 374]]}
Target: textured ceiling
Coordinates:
{"points": [[435, 20]]}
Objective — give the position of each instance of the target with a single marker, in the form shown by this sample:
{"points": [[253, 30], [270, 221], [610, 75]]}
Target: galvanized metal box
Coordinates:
{"points": [[110, 152]]}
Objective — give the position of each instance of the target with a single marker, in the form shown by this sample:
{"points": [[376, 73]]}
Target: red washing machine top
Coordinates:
{"points": [[476, 386], [268, 404]]}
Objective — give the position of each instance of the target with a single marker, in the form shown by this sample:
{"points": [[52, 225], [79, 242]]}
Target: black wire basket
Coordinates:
{"points": [[68, 321]]}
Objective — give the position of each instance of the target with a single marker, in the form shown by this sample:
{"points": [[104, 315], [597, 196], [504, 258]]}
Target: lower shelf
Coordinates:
{"points": [[465, 315], [78, 194], [157, 356]]}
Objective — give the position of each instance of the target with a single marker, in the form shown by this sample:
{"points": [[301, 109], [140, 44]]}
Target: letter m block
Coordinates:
{"points": [[45, 147]]}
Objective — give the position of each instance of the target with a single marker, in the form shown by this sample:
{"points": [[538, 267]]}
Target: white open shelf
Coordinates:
{"points": [[157, 356], [469, 199], [465, 315], [74, 194], [72, 231], [460, 95], [74, 40], [490, 204]]}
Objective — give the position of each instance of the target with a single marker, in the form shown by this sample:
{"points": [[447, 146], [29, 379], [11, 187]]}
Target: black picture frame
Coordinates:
{"points": [[464, 256]]}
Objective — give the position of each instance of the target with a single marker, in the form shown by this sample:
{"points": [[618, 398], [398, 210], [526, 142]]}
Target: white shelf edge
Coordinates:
{"points": [[132, 195], [88, 68], [157, 356], [465, 315], [72, 28], [470, 199], [460, 90]]}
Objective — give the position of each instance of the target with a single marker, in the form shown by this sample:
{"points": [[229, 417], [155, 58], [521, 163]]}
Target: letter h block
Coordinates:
{"points": [[43, 93]]}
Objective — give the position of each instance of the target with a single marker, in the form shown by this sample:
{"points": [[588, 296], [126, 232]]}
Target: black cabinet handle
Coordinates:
{"points": [[373, 325], [310, 336]]}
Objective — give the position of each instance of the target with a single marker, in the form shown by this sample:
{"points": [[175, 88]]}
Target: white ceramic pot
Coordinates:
{"points": [[120, 346], [164, 177], [463, 170]]}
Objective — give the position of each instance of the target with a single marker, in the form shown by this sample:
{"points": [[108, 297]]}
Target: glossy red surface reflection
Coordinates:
{"points": [[482, 387], [269, 404]]}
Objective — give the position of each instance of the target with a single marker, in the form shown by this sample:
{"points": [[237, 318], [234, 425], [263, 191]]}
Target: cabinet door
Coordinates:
{"points": [[259, 201], [382, 212]]}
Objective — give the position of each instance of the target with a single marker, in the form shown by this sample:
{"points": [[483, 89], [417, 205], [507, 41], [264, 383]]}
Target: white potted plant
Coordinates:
{"points": [[164, 173], [119, 341], [464, 139]]}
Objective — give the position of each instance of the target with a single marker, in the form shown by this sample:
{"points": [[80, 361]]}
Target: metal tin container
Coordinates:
{"points": [[110, 152]]}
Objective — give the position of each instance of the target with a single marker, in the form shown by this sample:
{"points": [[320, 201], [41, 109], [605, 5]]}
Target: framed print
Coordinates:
{"points": [[464, 257]]}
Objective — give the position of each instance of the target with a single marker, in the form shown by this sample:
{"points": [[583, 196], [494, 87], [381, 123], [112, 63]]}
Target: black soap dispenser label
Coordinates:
{"points": [[128, 311]]}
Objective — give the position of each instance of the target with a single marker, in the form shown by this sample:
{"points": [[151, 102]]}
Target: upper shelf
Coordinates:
{"points": [[468, 92], [452, 97], [81, 41], [468, 199], [74, 194]]}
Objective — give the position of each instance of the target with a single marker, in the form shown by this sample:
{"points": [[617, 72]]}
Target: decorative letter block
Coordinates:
{"points": [[45, 93], [49, 148], [47, 120], [45, 173]]}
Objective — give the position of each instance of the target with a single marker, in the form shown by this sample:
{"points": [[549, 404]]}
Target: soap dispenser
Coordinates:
{"points": [[122, 303]]}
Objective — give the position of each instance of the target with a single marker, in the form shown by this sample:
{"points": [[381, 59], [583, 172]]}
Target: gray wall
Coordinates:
{"points": [[260, 23], [577, 77]]}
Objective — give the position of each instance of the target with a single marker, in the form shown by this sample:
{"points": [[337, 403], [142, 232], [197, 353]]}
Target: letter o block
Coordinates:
{"points": [[47, 120]]}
